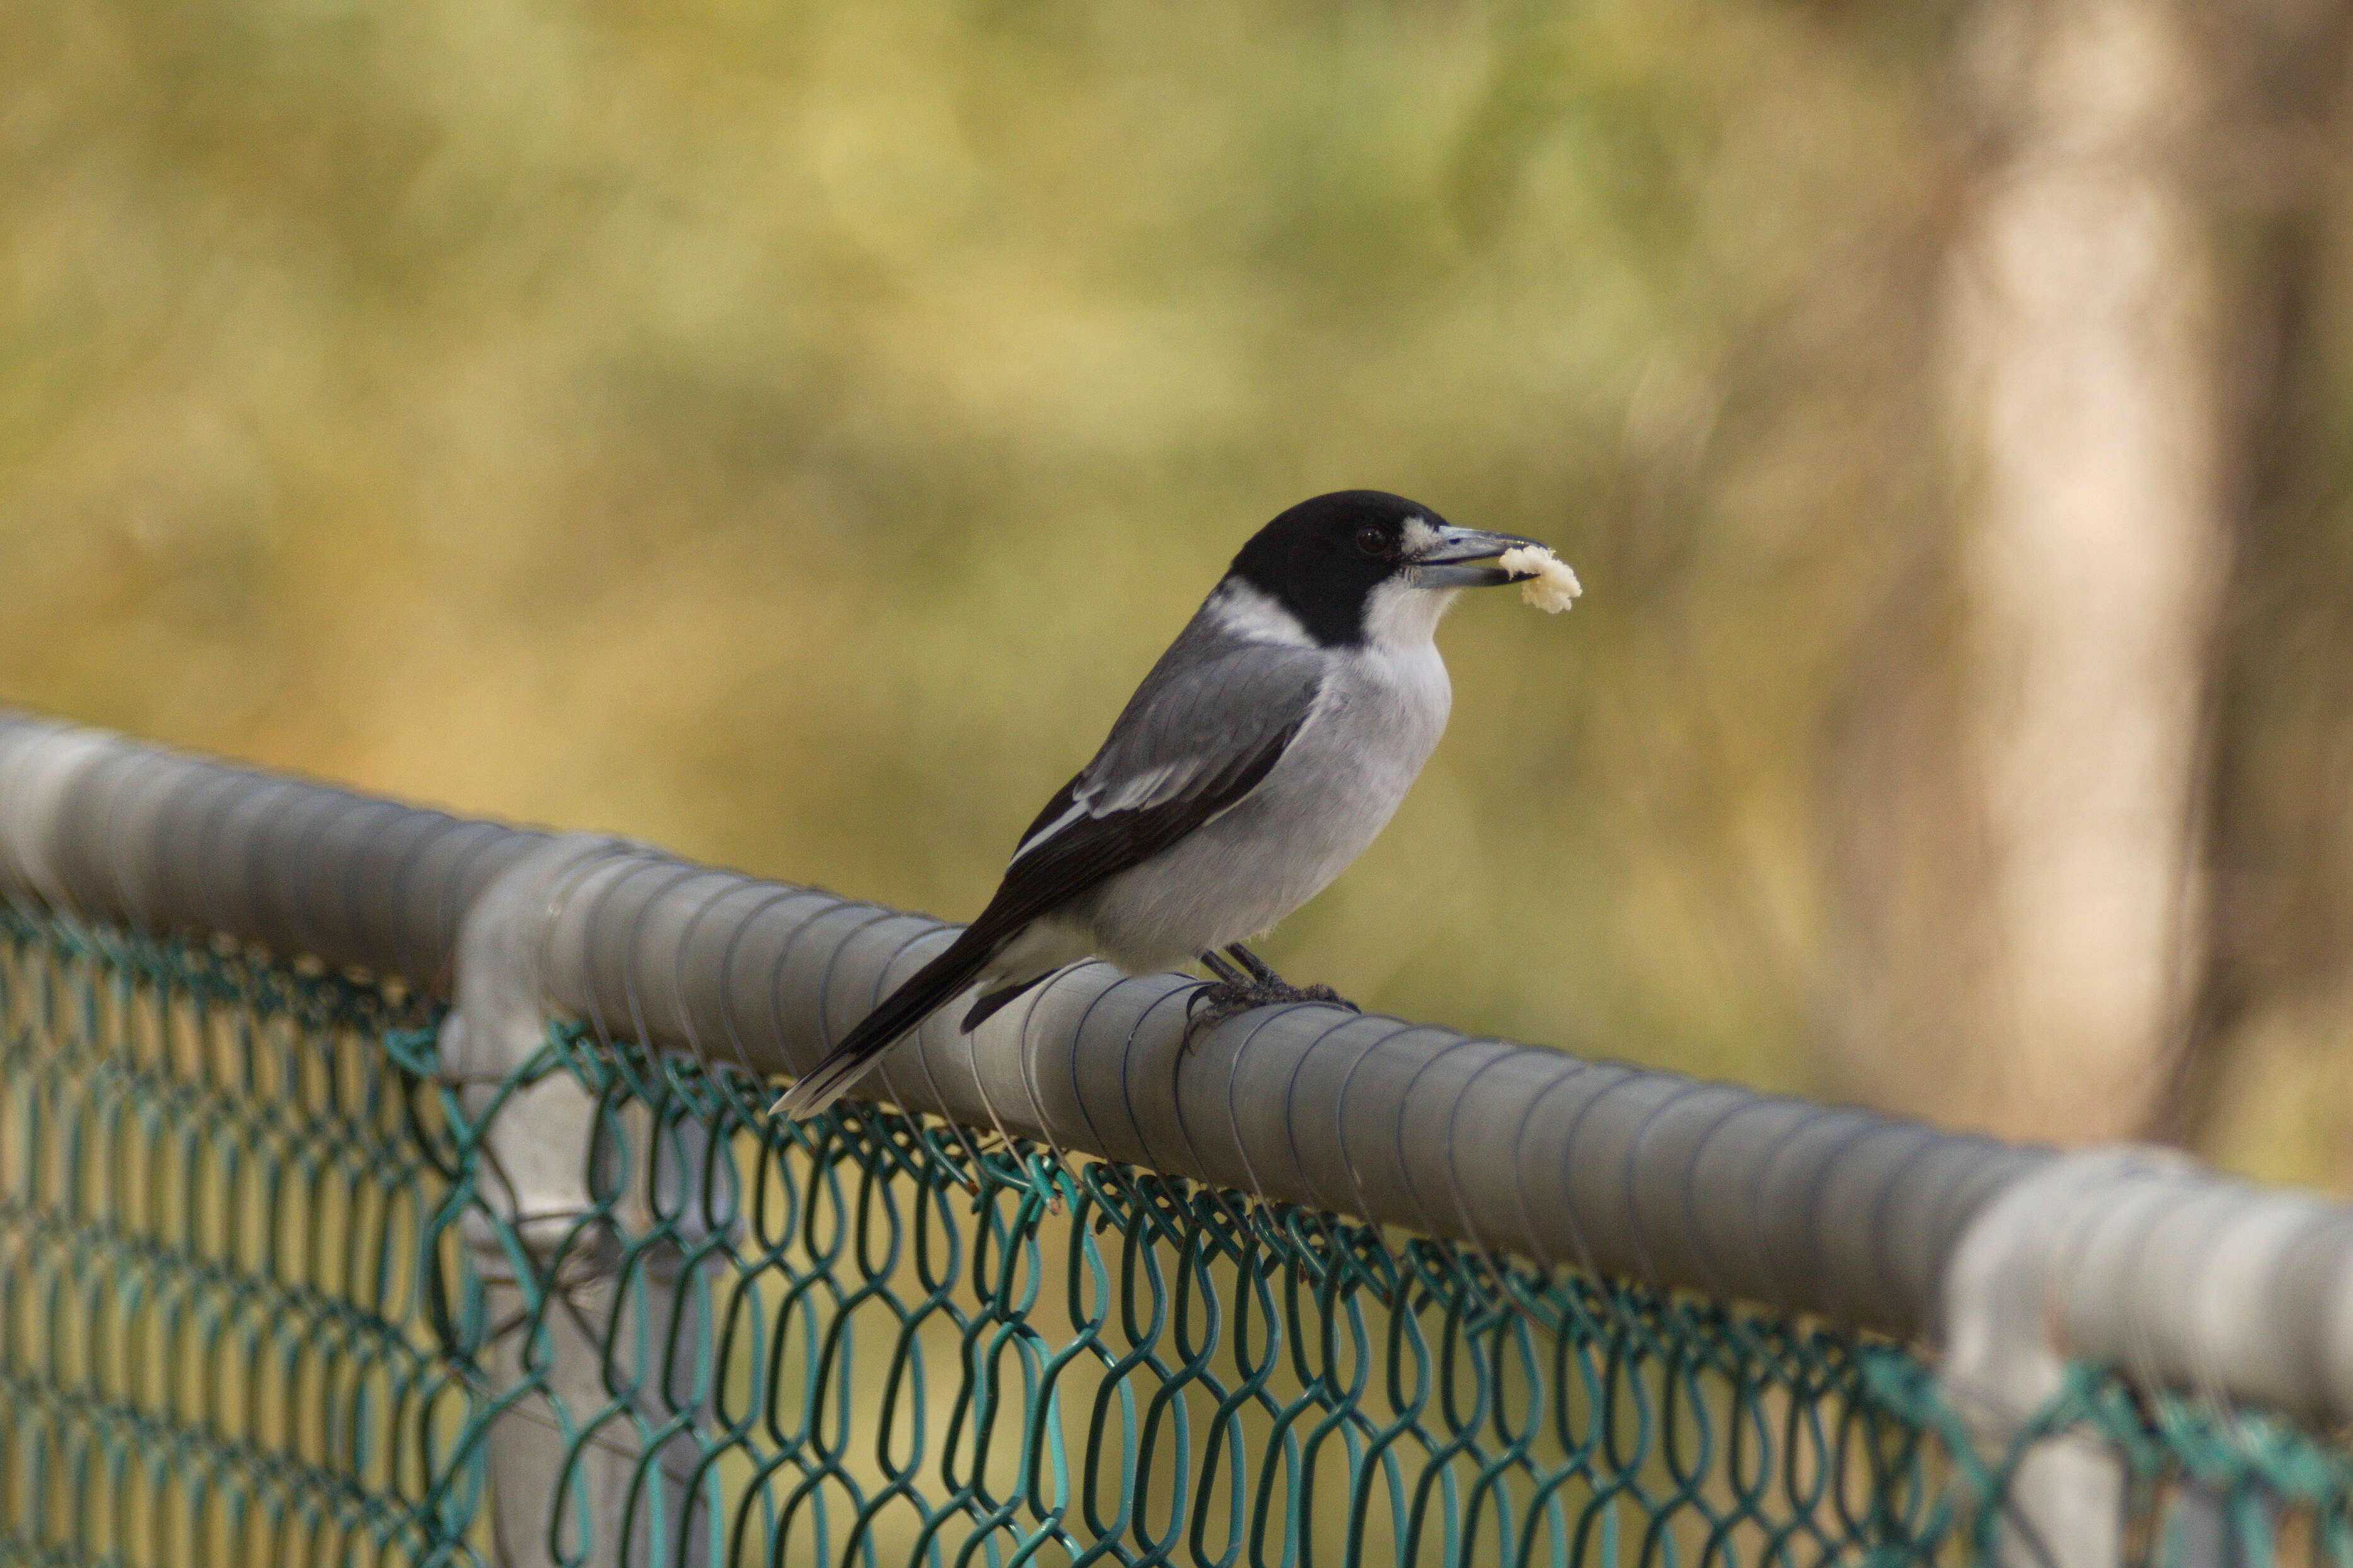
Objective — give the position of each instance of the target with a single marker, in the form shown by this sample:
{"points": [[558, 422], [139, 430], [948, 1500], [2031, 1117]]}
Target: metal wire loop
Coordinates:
{"points": [[1568, 1153], [1696, 1225], [111, 835], [683, 874], [449, 907], [1429, 1223], [1646, 1267], [592, 929], [1340, 1108], [1233, 1077], [743, 926], [1570, 1068], [1128, 1076], [1485, 1249]]}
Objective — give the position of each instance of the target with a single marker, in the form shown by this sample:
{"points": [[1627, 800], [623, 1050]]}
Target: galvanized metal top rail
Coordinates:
{"points": [[2177, 1274]]}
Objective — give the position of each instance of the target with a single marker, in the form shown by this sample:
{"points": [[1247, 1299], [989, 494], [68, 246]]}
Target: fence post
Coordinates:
{"points": [[573, 1341], [2004, 1359]]}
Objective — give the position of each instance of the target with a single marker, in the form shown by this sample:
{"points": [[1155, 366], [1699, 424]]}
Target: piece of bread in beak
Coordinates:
{"points": [[1546, 580]]}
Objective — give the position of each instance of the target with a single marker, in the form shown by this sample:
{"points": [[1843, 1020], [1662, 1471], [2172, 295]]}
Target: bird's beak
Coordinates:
{"points": [[1446, 563]]}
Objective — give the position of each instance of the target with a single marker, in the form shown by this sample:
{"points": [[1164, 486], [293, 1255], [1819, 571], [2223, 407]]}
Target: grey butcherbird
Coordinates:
{"points": [[1268, 747]]}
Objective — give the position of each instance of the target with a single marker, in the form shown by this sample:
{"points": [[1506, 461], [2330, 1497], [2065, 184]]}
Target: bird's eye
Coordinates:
{"points": [[1372, 541]]}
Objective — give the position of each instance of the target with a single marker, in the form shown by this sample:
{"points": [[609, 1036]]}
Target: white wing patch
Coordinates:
{"points": [[1152, 786], [1189, 729], [1078, 808], [1149, 787], [1101, 797]]}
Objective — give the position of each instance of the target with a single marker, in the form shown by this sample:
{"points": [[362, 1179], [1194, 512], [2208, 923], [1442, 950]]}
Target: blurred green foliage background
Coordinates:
{"points": [[786, 429]]}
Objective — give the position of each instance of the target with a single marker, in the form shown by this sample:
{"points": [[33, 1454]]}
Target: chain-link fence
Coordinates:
{"points": [[281, 1281]]}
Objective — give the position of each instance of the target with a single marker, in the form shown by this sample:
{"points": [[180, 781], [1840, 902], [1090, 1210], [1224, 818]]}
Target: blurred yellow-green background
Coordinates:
{"points": [[786, 429]]}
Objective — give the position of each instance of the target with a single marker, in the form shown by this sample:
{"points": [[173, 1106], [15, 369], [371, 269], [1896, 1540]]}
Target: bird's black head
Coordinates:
{"points": [[1338, 560]]}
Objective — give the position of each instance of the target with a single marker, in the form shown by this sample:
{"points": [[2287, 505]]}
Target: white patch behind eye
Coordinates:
{"points": [[1419, 535], [1246, 611]]}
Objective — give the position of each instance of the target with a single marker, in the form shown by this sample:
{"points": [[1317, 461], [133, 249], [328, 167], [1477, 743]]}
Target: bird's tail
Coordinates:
{"points": [[926, 991]]}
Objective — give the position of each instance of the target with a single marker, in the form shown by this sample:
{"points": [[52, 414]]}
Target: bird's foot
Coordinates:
{"points": [[1232, 994]]}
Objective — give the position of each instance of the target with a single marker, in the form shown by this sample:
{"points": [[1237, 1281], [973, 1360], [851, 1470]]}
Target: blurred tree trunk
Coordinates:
{"points": [[2278, 921], [2024, 847]]}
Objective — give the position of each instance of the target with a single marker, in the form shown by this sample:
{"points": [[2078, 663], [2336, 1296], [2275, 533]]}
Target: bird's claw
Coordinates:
{"points": [[1214, 1003]]}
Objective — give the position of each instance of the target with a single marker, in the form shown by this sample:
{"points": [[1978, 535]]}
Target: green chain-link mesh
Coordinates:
{"points": [[256, 1306]]}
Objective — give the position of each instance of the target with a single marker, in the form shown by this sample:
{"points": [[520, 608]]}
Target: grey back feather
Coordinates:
{"points": [[1213, 699]]}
